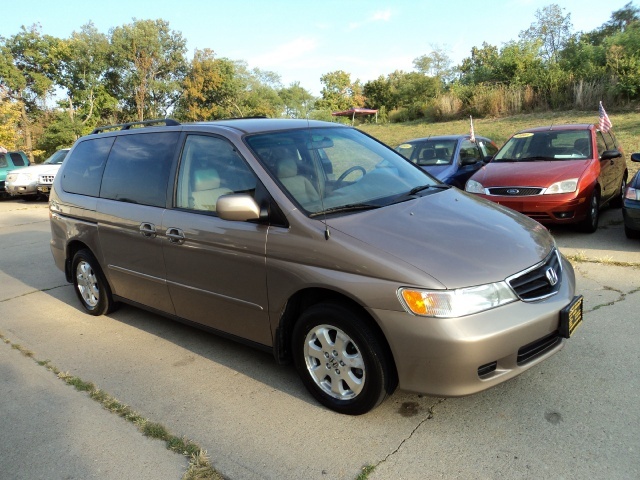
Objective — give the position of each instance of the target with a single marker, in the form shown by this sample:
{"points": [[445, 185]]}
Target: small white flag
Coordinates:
{"points": [[473, 135]]}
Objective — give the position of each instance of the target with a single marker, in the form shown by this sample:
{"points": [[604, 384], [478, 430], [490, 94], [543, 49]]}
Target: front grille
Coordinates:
{"points": [[46, 179], [540, 281], [514, 191], [537, 348]]}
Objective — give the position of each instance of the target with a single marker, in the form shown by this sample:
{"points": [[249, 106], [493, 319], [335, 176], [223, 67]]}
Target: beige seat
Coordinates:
{"points": [[298, 186], [206, 189]]}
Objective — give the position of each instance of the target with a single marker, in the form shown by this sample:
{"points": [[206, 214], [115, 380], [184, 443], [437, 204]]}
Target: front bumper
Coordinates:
{"points": [[20, 189], [459, 356], [631, 214], [548, 209]]}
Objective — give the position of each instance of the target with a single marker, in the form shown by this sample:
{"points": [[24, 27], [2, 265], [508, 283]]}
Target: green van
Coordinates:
{"points": [[10, 161]]}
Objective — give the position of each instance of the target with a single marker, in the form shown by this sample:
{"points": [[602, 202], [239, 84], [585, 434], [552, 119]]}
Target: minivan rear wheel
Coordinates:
{"points": [[341, 360], [90, 285]]}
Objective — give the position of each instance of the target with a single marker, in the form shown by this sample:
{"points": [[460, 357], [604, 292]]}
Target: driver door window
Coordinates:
{"points": [[211, 167]]}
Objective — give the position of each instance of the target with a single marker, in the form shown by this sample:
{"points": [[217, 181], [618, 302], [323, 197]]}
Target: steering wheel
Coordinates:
{"points": [[350, 170]]}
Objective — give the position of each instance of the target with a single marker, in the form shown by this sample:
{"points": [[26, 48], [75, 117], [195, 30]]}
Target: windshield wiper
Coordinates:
{"points": [[420, 188], [352, 207], [536, 158]]}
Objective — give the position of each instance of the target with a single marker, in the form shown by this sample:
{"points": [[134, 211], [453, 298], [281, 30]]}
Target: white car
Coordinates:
{"points": [[24, 181]]}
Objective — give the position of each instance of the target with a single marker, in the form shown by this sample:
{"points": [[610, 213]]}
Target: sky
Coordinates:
{"points": [[301, 40]]}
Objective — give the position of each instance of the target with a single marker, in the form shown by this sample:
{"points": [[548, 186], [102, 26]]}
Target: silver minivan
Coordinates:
{"points": [[317, 243]]}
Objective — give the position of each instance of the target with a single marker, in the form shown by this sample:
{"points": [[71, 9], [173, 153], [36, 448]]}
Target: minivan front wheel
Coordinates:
{"points": [[340, 360], [90, 285]]}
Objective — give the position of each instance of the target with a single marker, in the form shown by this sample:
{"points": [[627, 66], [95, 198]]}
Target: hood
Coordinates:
{"points": [[441, 172], [38, 169], [529, 174], [458, 239]]}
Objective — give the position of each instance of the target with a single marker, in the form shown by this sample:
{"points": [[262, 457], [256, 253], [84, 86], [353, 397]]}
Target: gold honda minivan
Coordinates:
{"points": [[315, 242]]}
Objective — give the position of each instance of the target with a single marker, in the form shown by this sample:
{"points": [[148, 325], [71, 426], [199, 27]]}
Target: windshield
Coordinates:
{"points": [[332, 169], [546, 145], [56, 158], [429, 152]]}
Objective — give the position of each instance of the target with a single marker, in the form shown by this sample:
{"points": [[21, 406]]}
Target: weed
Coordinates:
{"points": [[199, 466], [366, 471]]}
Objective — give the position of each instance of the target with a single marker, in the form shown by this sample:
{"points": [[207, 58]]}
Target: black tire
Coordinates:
{"points": [[341, 360], [632, 234], [90, 284], [618, 200], [590, 224]]}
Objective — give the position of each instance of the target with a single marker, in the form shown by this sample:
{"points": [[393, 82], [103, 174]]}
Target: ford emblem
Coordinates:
{"points": [[513, 191]]}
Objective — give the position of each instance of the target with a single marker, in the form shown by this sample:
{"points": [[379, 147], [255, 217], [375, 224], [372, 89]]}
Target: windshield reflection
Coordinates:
{"points": [[330, 170]]}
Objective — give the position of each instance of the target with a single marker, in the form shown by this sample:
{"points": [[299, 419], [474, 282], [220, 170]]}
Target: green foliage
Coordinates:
{"points": [[148, 61], [339, 92], [551, 30], [61, 132], [297, 101]]}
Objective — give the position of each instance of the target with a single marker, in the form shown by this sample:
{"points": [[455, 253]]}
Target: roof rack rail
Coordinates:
{"points": [[169, 122]]}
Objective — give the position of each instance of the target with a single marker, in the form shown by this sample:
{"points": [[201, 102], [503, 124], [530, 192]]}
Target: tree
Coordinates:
{"points": [[209, 88], [435, 64], [552, 29], [27, 68], [297, 101], [339, 92], [148, 67], [9, 121], [84, 59]]}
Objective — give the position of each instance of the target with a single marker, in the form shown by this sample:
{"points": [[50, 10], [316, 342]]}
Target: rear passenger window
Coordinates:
{"points": [[83, 169], [138, 168], [3, 161], [18, 161], [211, 167]]}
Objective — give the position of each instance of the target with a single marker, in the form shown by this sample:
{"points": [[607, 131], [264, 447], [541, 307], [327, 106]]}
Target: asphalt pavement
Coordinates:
{"points": [[574, 416]]}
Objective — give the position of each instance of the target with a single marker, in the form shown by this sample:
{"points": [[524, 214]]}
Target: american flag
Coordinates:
{"points": [[605, 123], [473, 135]]}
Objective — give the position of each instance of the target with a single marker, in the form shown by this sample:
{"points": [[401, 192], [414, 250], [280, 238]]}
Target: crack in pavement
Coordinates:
{"points": [[429, 416], [34, 291]]}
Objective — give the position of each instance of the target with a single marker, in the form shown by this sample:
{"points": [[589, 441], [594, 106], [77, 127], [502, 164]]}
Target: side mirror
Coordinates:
{"points": [[635, 157], [610, 155], [238, 207], [487, 159]]}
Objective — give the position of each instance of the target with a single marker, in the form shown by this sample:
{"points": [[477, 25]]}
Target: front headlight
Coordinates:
{"points": [[474, 187], [456, 303], [565, 186]]}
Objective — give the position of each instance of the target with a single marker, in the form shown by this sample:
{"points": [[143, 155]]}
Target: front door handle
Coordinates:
{"points": [[175, 235], [148, 230]]}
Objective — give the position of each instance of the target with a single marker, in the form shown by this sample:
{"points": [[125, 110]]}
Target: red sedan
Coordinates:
{"points": [[557, 174]]}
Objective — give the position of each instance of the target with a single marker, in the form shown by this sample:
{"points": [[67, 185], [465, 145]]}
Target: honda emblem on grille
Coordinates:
{"points": [[552, 276], [513, 191]]}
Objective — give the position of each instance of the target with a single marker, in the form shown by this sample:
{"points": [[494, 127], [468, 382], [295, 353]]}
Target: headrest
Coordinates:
{"points": [[206, 179], [581, 143], [287, 167], [428, 153]]}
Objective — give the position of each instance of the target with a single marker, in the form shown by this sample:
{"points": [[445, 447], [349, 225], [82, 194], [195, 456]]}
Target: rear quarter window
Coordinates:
{"points": [[138, 168], [83, 168], [18, 161]]}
